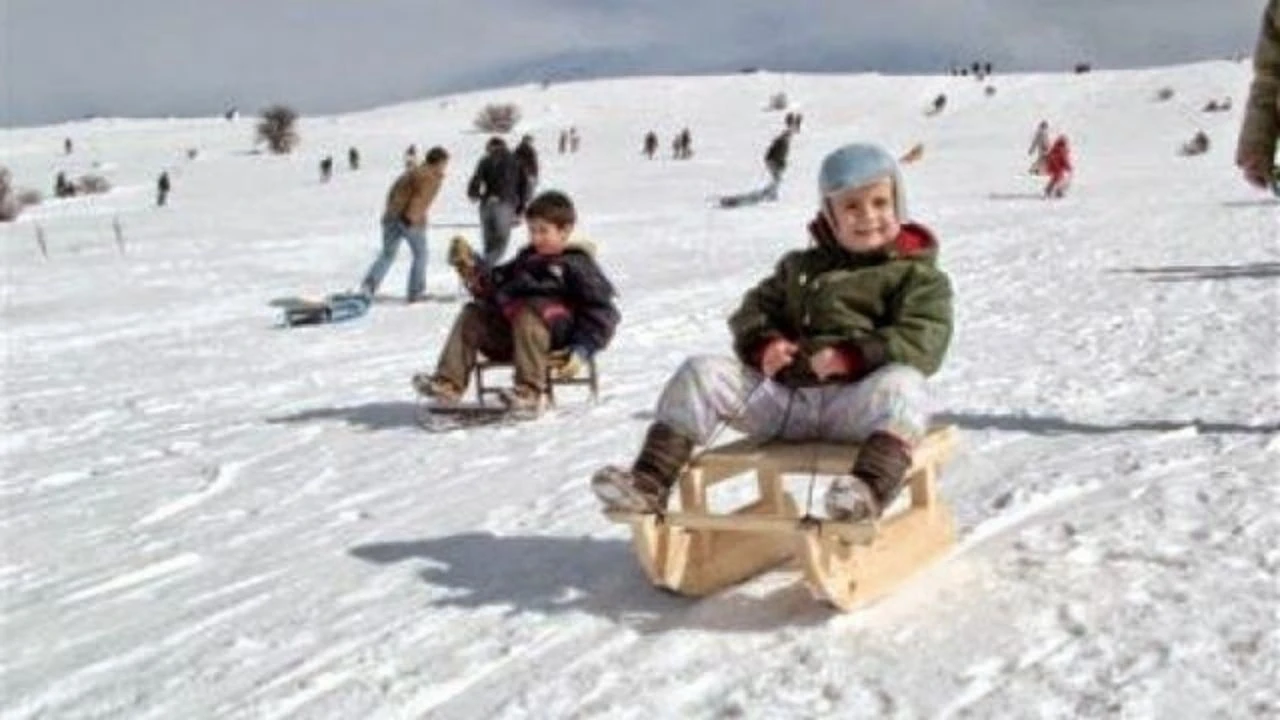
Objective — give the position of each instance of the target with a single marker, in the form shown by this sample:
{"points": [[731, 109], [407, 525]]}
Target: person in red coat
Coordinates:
{"points": [[1057, 165]]}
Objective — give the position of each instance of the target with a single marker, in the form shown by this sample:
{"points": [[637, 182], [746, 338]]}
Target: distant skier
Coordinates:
{"points": [[1039, 148], [1059, 168], [162, 189], [326, 168], [1256, 150], [939, 104], [353, 158]]}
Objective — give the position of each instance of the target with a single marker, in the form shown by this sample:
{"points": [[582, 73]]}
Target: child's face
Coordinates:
{"points": [[864, 218], [547, 238]]}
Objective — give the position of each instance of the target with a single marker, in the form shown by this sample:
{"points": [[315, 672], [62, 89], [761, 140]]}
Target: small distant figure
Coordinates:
{"points": [[1082, 68], [527, 160], [775, 161], [1059, 167], [683, 145], [326, 169], [67, 146], [411, 157], [939, 104], [574, 140], [1197, 145], [1216, 106], [231, 114], [989, 91], [792, 121], [912, 155], [563, 145], [650, 144], [1039, 148], [162, 189], [62, 187], [353, 158], [799, 122], [193, 153], [986, 69]]}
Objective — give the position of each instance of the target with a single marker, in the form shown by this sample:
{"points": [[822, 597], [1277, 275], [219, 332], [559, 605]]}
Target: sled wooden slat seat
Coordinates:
{"points": [[694, 551], [588, 377]]}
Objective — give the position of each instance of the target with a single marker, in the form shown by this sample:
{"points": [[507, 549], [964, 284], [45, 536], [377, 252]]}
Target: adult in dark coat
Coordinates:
{"points": [[502, 190]]}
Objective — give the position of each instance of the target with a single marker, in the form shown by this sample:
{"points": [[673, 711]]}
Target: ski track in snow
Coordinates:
{"points": [[208, 516]]}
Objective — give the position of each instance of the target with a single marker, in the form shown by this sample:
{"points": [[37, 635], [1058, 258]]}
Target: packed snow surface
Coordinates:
{"points": [[207, 515]]}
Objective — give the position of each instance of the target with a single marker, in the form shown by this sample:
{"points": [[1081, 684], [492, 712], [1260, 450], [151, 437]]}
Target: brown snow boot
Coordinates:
{"points": [[875, 481], [644, 488]]}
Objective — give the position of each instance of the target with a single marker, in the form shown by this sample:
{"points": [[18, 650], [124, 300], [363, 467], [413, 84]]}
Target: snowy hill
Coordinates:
{"points": [[207, 516]]}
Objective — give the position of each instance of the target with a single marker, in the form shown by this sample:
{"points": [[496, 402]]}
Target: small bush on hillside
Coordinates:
{"points": [[778, 101], [278, 128], [498, 118]]}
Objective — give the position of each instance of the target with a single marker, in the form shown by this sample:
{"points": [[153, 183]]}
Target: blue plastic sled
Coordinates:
{"points": [[337, 307]]}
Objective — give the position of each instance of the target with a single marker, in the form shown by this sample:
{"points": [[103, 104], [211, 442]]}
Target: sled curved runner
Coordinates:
{"points": [[695, 552]]}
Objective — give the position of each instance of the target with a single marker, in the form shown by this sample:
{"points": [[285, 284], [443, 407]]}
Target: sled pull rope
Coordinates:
{"points": [[720, 427]]}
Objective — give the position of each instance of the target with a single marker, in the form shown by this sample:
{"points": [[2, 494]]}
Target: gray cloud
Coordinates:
{"points": [[64, 59]]}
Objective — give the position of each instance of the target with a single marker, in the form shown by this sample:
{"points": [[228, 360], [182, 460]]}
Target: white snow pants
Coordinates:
{"points": [[708, 390]]}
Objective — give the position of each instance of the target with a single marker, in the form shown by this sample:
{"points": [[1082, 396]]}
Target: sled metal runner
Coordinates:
{"points": [[695, 552]]}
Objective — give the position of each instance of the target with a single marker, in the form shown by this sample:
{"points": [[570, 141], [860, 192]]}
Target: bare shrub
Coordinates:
{"points": [[498, 118], [278, 128], [1164, 93]]}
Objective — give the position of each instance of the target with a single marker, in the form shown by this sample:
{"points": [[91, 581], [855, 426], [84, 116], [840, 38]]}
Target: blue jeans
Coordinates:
{"points": [[393, 231], [496, 219]]}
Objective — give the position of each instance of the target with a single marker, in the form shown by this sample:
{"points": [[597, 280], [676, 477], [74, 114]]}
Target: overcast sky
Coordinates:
{"points": [[65, 59]]}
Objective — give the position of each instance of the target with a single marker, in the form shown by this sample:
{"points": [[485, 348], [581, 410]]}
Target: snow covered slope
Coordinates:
{"points": [[206, 516]]}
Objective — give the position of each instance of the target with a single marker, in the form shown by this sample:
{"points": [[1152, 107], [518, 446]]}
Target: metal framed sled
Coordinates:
{"points": [[589, 377], [693, 551]]}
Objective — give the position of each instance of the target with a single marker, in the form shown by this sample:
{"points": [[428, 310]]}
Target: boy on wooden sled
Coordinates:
{"points": [[551, 297], [835, 345]]}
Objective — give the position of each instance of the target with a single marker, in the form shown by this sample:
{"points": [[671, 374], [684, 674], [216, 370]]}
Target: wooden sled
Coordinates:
{"points": [[696, 552]]}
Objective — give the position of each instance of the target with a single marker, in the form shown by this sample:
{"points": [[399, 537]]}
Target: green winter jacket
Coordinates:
{"points": [[891, 306], [1262, 116]]}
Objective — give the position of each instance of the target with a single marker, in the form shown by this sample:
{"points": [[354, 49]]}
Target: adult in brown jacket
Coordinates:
{"points": [[1256, 154], [405, 218]]}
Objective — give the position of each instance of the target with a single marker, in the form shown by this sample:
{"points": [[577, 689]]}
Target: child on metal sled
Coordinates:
{"points": [[835, 345], [551, 297]]}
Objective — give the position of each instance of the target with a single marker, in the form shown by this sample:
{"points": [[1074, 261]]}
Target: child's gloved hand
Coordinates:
{"points": [[777, 355], [830, 362], [573, 364]]}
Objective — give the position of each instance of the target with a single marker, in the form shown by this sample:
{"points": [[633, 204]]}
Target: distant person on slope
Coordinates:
{"points": [[527, 159], [1256, 153], [775, 161], [405, 218], [1057, 164], [1039, 148], [502, 190], [834, 345]]}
